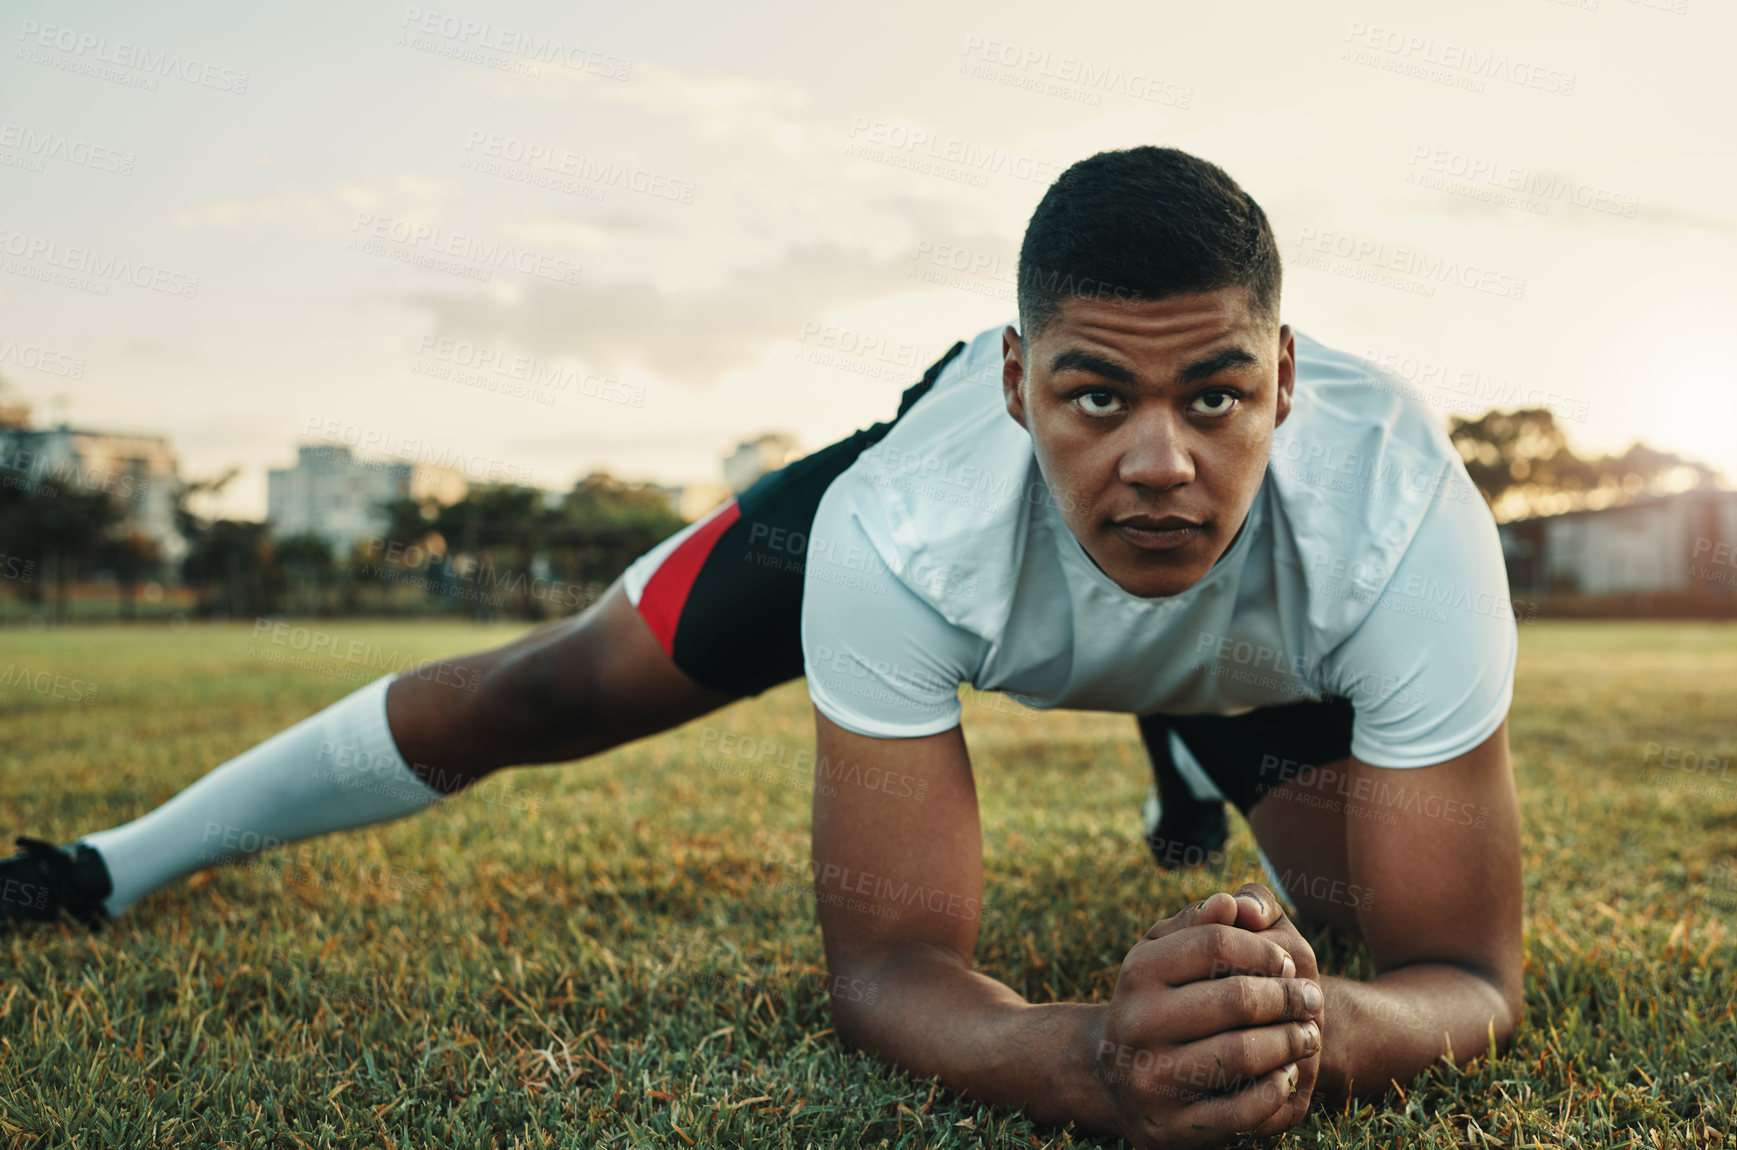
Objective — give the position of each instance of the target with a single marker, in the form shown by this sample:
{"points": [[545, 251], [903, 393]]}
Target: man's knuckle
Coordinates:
{"points": [[1245, 1000]]}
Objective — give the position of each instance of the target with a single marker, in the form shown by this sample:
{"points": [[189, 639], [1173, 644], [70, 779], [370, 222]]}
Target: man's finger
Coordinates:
{"points": [[1227, 1061], [1203, 1009], [1215, 908], [1210, 951], [1285, 934], [1246, 1109], [1256, 907]]}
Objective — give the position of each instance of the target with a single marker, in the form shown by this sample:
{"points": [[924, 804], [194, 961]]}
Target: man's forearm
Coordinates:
{"points": [[929, 1014], [1395, 1026]]}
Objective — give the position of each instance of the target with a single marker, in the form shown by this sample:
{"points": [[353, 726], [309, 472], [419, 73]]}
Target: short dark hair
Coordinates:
{"points": [[1143, 223]]}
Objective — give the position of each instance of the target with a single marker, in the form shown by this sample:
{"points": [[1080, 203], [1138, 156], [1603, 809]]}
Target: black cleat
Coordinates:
{"points": [[42, 880], [1186, 833], [1182, 831]]}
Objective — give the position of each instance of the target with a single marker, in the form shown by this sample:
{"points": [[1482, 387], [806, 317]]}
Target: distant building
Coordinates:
{"points": [[140, 471], [1678, 547], [756, 457], [695, 499], [332, 494]]}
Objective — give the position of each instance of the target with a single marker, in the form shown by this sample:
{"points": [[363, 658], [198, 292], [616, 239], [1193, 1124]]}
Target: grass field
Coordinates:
{"points": [[614, 953]]}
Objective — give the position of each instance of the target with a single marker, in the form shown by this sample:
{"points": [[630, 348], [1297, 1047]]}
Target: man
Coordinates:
{"points": [[1150, 497]]}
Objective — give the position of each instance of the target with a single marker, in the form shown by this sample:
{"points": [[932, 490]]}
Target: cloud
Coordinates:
{"points": [[693, 337], [231, 213]]}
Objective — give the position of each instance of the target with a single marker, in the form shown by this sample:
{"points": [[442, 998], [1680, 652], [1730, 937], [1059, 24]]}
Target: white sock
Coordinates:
{"points": [[336, 769]]}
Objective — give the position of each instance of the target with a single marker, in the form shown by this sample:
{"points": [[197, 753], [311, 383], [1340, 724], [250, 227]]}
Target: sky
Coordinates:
{"points": [[535, 240]]}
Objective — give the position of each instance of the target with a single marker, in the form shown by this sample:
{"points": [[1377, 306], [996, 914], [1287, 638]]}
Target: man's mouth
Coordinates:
{"points": [[1157, 532]]}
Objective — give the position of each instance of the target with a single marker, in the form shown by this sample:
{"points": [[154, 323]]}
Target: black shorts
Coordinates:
{"points": [[724, 599]]}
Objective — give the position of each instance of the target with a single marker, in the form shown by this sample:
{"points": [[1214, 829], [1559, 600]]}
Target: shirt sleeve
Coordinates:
{"points": [[1430, 671], [880, 661]]}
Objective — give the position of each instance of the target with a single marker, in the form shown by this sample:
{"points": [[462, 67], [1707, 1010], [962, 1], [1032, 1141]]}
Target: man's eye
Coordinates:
{"points": [[1215, 402], [1098, 402]]}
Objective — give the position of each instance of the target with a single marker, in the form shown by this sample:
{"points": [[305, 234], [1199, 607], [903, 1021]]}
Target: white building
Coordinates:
{"points": [[332, 494], [1684, 544], [139, 471], [756, 457]]}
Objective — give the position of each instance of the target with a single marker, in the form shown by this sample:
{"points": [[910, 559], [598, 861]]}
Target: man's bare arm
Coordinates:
{"points": [[1442, 920], [899, 883]]}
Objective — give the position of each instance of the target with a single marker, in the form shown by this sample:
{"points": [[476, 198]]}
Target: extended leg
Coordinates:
{"points": [[565, 692], [398, 745], [708, 616]]}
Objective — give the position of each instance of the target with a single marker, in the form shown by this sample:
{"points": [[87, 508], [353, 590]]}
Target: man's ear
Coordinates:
{"points": [[1012, 376], [1287, 373]]}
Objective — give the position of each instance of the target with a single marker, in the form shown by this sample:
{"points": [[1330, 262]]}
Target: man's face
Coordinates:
{"points": [[1152, 421]]}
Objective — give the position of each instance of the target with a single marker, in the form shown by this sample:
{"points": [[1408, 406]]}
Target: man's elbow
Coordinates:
{"points": [[1506, 1024], [1505, 995], [851, 1012], [857, 992]]}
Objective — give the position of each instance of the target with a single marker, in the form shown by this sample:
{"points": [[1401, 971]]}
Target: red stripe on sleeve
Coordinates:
{"points": [[666, 592]]}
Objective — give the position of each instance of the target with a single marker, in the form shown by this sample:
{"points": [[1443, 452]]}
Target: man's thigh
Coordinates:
{"points": [[711, 615], [723, 598]]}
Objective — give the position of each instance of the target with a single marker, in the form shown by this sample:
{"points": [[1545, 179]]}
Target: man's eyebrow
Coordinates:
{"points": [[1078, 359], [1216, 362]]}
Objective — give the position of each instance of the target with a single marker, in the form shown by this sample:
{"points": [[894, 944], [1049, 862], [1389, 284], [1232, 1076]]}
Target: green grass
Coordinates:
{"points": [[607, 953]]}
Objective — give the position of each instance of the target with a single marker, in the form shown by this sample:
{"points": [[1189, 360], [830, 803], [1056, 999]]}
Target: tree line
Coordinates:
{"points": [[507, 551], [503, 551]]}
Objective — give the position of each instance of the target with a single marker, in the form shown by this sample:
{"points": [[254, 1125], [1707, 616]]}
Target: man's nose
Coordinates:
{"points": [[1156, 454]]}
